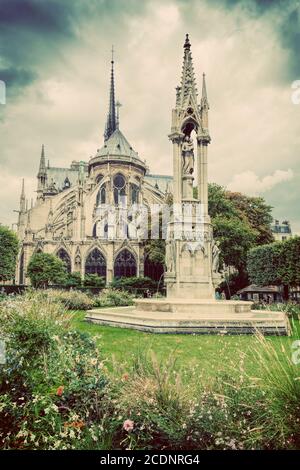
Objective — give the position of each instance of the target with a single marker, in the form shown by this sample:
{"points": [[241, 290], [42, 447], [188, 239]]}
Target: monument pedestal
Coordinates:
{"points": [[192, 317]]}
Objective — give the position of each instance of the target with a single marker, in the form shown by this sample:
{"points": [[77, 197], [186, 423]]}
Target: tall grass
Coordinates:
{"points": [[55, 392]]}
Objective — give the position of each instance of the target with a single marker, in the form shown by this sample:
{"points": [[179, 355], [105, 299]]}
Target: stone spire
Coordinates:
{"points": [[204, 111], [204, 101], [42, 168], [42, 175], [111, 123], [188, 86], [28, 226], [23, 198]]}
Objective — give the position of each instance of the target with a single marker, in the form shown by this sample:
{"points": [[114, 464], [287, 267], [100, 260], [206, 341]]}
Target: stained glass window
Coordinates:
{"points": [[125, 264], [95, 263]]}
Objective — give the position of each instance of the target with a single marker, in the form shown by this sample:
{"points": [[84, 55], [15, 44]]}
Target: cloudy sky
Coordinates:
{"points": [[55, 59]]}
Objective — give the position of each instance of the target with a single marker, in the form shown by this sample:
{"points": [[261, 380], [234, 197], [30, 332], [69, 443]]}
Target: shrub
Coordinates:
{"points": [[73, 280], [71, 300], [45, 269], [130, 283], [52, 387], [276, 264], [113, 298], [93, 280]]}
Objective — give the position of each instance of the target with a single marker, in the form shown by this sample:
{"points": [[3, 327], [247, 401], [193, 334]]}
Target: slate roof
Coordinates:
{"points": [[117, 145], [254, 288]]}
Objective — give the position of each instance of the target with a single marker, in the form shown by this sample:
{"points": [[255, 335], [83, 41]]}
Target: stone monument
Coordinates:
{"points": [[192, 255], [193, 274]]}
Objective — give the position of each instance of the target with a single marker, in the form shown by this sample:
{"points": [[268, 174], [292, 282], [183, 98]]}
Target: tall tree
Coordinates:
{"points": [[235, 238], [258, 214], [45, 269], [276, 264], [9, 247]]}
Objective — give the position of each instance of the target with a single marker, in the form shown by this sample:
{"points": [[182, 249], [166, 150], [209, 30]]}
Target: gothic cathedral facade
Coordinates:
{"points": [[71, 215]]}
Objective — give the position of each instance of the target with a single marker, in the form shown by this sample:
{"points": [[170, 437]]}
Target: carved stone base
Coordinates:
{"points": [[192, 317], [189, 289]]}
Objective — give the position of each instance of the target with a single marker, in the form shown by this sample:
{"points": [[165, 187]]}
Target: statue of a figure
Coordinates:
{"points": [[188, 156], [215, 256], [170, 256], [81, 174]]}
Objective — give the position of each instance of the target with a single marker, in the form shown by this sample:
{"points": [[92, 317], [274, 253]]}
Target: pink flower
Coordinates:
{"points": [[128, 425]]}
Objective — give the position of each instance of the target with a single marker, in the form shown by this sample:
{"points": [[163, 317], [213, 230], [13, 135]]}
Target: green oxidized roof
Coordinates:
{"points": [[117, 145]]}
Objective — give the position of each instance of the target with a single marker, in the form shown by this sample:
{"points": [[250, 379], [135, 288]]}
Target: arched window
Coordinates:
{"points": [[21, 269], [95, 263], [101, 196], [125, 264], [63, 255], [99, 178], [119, 189], [134, 194]]}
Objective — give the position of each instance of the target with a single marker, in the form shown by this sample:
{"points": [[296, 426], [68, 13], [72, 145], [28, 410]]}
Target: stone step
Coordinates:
{"points": [[127, 317], [187, 306]]}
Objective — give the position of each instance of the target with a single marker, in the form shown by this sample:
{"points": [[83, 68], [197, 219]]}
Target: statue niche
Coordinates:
{"points": [[187, 156]]}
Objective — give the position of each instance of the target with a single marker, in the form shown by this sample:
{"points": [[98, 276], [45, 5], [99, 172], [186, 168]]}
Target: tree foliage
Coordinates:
{"points": [[239, 222], [9, 247], [275, 264], [45, 269], [256, 212], [235, 238], [156, 251], [93, 280]]}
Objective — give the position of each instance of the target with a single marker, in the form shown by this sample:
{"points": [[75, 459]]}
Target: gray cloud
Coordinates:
{"points": [[55, 56], [30, 33]]}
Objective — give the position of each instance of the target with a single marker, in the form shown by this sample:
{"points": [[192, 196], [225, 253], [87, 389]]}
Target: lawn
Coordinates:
{"points": [[207, 355]]}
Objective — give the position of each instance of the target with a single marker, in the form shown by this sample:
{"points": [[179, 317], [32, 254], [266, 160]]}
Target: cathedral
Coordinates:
{"points": [[82, 214]]}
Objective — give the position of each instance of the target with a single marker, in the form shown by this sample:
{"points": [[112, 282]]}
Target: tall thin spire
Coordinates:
{"points": [[23, 198], [111, 123], [204, 109], [42, 174], [42, 168], [188, 83], [204, 101]]}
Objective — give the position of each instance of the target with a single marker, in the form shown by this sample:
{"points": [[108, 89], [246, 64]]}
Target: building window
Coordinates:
{"points": [[63, 255], [101, 196], [125, 264], [99, 178], [134, 194], [119, 189], [95, 263]]}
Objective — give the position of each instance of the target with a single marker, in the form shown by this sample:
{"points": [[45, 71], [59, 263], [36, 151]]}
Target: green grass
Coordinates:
{"points": [[207, 355]]}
